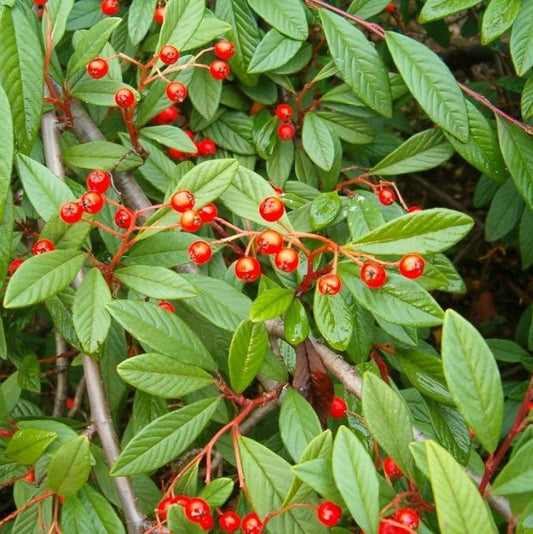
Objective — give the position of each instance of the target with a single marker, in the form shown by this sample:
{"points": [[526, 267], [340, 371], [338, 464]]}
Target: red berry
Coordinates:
{"points": [[387, 196], [207, 522], [287, 260], [286, 131], [190, 221], [165, 305], [14, 265], [338, 408], [176, 92], [407, 517], [196, 509], [269, 242], [410, 209], [251, 524], [329, 284], [390, 8], [224, 49], [208, 213], [177, 154], [219, 69], [328, 513], [166, 116], [229, 521], [207, 147], [40, 2], [247, 268], [69, 403], [110, 7], [97, 68], [391, 469], [71, 212], [124, 97], [200, 252], [271, 209], [284, 112], [159, 14], [163, 506], [123, 218], [412, 266], [30, 476], [373, 275], [92, 202], [385, 527], [169, 54], [42, 247], [98, 181], [182, 200]]}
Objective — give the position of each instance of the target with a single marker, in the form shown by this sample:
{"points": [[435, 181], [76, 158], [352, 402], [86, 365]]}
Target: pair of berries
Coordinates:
{"points": [[230, 522], [286, 130], [206, 148], [41, 246], [196, 510], [219, 69], [192, 220], [374, 275], [248, 268]]}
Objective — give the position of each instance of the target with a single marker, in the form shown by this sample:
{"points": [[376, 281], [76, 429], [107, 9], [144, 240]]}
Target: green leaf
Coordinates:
{"points": [[165, 438], [162, 376], [218, 491], [69, 467], [517, 475], [232, 131], [279, 164], [499, 15], [363, 216], [358, 62], [204, 92], [420, 152], [438, 9], [505, 211], [6, 154], [42, 276], [162, 331], [101, 155], [355, 130], [140, 15], [97, 92], [170, 136], [29, 444], [298, 423], [54, 25], [270, 304], [522, 39], [431, 83], [274, 50], [324, 210], [473, 378], [287, 16], [165, 249], [426, 231], [210, 28], [182, 18], [525, 231], [333, 319], [246, 354], [526, 100], [295, 323], [367, 8], [460, 507], [356, 478], [389, 421], [317, 141]]}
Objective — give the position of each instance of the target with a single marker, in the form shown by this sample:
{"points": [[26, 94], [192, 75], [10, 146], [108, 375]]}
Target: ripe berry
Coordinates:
{"points": [[164, 505], [229, 521], [176, 92], [166, 116], [182, 200], [286, 131], [14, 265], [412, 266], [42, 247], [123, 218], [177, 154], [338, 408], [390, 8], [165, 305], [98, 181], [124, 97], [391, 469], [219, 69], [169, 54], [97, 68], [196, 509], [287, 260], [329, 284], [328, 513], [247, 268], [159, 14], [30, 476], [40, 2], [69, 403], [224, 49], [410, 209], [284, 112], [200, 252], [407, 517], [387, 196], [373, 275], [208, 213], [207, 147], [207, 522], [251, 524], [71, 212], [110, 7], [92, 202], [385, 527], [269, 242], [271, 209], [190, 221]]}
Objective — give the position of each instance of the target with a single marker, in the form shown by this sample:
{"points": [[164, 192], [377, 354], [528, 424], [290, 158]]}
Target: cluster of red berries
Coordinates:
{"points": [[286, 130], [41, 246], [374, 275], [206, 147], [191, 219]]}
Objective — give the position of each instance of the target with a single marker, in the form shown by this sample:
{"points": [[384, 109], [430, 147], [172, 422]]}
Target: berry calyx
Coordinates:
{"points": [[329, 284], [219, 69], [338, 408], [247, 268], [200, 252], [165, 305], [71, 212], [207, 147], [92, 202], [14, 265], [328, 513], [176, 92], [284, 112], [391, 469], [411, 209], [110, 7], [159, 14], [224, 49], [387, 196], [97, 68], [196, 509], [287, 260], [42, 247], [271, 209], [251, 524], [286, 131], [208, 213], [182, 200], [269, 242], [124, 98], [373, 275], [190, 221], [166, 116], [229, 521], [123, 218], [407, 517], [412, 266], [98, 181], [169, 54]]}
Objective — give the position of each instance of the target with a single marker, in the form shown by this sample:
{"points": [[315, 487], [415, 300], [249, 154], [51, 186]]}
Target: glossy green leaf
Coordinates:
{"points": [[355, 130], [473, 378], [210, 29], [218, 491], [438, 9], [246, 354], [324, 210], [101, 155], [97, 92], [42, 276], [525, 230], [295, 323], [522, 39], [28, 444], [182, 18], [431, 83], [140, 15], [232, 131], [274, 50], [517, 475], [504, 212], [333, 319], [279, 164], [367, 8], [287, 16], [270, 304], [7, 152], [363, 216], [170, 136], [499, 15], [165, 438], [165, 249], [204, 92], [55, 24], [317, 141]]}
